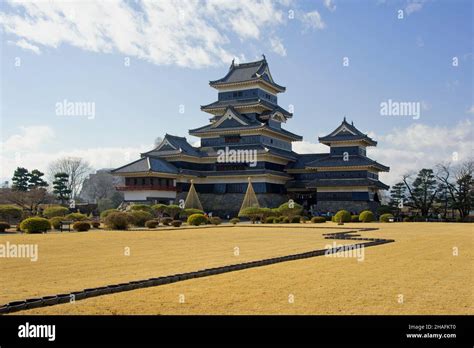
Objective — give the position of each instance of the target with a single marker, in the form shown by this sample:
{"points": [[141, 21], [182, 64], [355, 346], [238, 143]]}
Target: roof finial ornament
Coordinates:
{"points": [[344, 118], [352, 122], [263, 56], [232, 65]]}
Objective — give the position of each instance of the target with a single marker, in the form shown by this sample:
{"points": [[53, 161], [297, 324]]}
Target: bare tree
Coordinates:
{"points": [[77, 168], [28, 200], [100, 185], [458, 181]]}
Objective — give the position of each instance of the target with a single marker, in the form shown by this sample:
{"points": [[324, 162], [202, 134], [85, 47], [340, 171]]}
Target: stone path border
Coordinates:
{"points": [[45, 301]]}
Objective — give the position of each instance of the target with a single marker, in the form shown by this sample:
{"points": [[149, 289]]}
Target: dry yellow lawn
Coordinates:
{"points": [[420, 266], [75, 261]]}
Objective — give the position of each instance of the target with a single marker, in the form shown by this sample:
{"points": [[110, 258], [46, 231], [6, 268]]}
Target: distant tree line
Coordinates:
{"points": [[70, 180], [446, 191]]}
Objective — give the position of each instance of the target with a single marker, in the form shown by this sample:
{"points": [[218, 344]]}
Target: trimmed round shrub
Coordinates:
{"points": [[266, 212], [95, 224], [190, 211], [406, 219], [253, 213], [106, 213], [304, 219], [276, 212], [318, 219], [55, 211], [366, 216], [166, 221], [56, 222], [355, 218], [35, 225], [158, 209], [271, 220], [342, 216], [142, 207], [295, 219], [215, 220], [152, 223], [117, 220], [285, 220], [139, 217], [290, 210], [4, 226], [385, 217], [234, 221], [172, 210], [197, 219], [176, 223], [9, 211], [81, 226], [76, 217]]}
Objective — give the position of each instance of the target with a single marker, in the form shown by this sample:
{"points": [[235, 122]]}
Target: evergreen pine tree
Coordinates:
{"points": [[20, 179], [36, 180], [60, 187]]}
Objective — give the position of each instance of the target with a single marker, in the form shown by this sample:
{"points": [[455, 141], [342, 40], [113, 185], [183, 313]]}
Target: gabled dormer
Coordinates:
{"points": [[230, 119], [346, 139], [347, 134], [255, 74], [172, 144]]}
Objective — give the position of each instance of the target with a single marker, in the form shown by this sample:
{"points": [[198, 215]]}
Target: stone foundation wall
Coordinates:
{"points": [[351, 206], [230, 203]]}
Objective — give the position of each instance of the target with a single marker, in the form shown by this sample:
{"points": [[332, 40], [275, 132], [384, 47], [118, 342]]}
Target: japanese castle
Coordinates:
{"points": [[245, 139]]}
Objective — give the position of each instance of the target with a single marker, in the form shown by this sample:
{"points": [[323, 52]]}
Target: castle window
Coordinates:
{"points": [[232, 139], [230, 166]]}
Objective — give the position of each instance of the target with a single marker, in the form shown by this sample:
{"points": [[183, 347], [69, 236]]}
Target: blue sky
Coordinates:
{"points": [[77, 52]]}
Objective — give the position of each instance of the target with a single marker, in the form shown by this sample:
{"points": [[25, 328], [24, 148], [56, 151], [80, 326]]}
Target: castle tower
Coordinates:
{"points": [[247, 119], [343, 179]]}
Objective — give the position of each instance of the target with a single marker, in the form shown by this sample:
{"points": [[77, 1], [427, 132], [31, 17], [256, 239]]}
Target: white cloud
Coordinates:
{"points": [[471, 110], [413, 6], [26, 46], [421, 146], [277, 46], [188, 33], [28, 139], [313, 20], [329, 4], [26, 149]]}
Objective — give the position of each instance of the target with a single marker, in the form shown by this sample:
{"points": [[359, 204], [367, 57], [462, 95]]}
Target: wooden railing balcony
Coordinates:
{"points": [[145, 187]]}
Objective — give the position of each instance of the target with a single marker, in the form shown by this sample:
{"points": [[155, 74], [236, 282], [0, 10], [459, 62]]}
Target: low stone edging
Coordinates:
{"points": [[45, 301]]}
